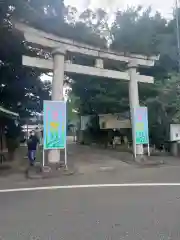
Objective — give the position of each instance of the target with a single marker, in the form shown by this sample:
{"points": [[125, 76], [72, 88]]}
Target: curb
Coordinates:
{"points": [[151, 163], [47, 172], [106, 169]]}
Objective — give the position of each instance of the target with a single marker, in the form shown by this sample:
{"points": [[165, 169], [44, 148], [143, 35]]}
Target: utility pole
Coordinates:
{"points": [[177, 31]]}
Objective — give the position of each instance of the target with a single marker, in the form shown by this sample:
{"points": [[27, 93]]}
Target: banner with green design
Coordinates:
{"points": [[54, 122], [141, 125]]}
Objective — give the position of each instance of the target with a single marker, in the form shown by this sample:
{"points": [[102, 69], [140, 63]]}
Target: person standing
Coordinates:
{"points": [[32, 147]]}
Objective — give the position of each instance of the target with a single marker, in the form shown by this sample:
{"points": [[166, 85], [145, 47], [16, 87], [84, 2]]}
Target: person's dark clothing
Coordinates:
{"points": [[32, 156], [32, 143]]}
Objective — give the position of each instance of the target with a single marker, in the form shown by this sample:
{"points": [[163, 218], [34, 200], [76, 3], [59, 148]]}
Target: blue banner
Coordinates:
{"points": [[54, 121], [141, 125]]}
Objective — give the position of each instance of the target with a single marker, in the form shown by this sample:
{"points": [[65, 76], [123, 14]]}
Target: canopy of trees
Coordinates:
{"points": [[135, 30]]}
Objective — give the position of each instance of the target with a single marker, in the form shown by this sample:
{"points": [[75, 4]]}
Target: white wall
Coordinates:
{"points": [[113, 122]]}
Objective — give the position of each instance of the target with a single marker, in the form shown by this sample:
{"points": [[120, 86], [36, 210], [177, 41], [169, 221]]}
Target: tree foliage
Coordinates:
{"points": [[135, 30], [157, 37], [21, 88]]}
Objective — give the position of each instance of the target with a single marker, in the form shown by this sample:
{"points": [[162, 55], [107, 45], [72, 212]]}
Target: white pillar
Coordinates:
{"points": [[99, 63], [134, 102], [57, 91]]}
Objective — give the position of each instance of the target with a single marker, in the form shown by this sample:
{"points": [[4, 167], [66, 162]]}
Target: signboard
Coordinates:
{"points": [[54, 124], [141, 125], [174, 132], [85, 120], [113, 121]]}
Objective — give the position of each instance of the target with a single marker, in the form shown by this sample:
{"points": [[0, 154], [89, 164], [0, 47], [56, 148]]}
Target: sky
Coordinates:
{"points": [[163, 6]]}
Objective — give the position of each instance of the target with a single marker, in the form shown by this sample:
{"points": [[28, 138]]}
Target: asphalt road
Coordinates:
{"points": [[122, 213]]}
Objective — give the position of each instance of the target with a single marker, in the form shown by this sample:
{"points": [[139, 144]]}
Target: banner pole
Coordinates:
{"points": [[148, 151], [134, 149], [65, 150], [65, 159], [43, 158], [133, 132]]}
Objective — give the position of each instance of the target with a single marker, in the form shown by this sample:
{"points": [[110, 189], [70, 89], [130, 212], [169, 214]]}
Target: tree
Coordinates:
{"points": [[50, 16], [157, 36], [21, 88]]}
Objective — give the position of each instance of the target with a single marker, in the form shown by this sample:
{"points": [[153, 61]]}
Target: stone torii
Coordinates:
{"points": [[60, 46]]}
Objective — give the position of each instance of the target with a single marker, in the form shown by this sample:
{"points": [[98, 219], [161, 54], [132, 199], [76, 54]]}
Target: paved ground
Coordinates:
{"points": [[124, 213], [100, 166], [165, 174], [84, 159], [90, 158], [111, 213]]}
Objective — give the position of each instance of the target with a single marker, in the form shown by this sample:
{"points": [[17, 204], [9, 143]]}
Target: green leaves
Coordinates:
{"points": [[20, 87], [135, 30]]}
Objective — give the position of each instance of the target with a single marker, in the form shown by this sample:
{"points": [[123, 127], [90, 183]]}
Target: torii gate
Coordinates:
{"points": [[59, 46]]}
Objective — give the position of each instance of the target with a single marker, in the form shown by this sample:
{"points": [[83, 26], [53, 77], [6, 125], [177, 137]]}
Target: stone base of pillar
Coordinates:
{"points": [[55, 167], [174, 149], [55, 170], [140, 158], [54, 157]]}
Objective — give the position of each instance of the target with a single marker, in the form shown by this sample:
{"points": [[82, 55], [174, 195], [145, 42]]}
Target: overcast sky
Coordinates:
{"points": [[164, 6]]}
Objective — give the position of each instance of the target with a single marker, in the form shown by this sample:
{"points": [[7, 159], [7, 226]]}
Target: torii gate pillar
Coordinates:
{"points": [[134, 102], [57, 91]]}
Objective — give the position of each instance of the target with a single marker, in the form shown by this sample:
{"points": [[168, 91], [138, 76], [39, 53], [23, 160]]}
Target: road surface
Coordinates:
{"points": [[93, 213], [112, 213]]}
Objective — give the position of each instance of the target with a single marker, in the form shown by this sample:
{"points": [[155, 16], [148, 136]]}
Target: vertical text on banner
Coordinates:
{"points": [[141, 125], [54, 124]]}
